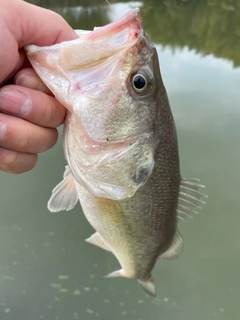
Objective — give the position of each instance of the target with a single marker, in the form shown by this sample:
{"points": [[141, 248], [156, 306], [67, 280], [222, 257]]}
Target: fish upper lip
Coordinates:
{"points": [[115, 27]]}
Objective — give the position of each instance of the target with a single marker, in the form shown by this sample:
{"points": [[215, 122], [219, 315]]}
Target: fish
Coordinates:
{"points": [[120, 144]]}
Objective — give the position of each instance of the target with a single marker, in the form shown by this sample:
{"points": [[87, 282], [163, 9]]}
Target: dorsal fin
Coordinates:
{"points": [[64, 195], [97, 240], [190, 198], [175, 249]]}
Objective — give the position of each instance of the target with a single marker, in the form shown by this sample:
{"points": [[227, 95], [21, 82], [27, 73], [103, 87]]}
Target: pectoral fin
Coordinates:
{"points": [[97, 240], [175, 249], [64, 195]]}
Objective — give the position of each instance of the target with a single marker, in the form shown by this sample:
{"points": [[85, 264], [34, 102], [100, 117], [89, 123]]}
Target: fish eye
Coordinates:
{"points": [[139, 82], [142, 82]]}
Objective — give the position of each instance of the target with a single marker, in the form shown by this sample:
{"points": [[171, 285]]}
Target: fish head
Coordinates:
{"points": [[110, 82]]}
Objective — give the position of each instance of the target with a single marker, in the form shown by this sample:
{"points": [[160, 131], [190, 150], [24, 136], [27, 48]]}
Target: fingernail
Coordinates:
{"points": [[14, 102], [2, 129]]}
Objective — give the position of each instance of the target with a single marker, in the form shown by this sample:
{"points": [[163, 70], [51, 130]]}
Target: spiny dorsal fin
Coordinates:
{"points": [[98, 240], [175, 249], [190, 198], [64, 195]]}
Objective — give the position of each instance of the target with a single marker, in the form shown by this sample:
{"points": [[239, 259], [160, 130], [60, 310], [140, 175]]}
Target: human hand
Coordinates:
{"points": [[29, 114]]}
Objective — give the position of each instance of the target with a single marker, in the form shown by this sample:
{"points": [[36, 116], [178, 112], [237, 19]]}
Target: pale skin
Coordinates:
{"points": [[29, 114]]}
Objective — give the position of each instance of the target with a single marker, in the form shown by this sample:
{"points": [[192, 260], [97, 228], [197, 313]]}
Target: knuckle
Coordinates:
{"points": [[49, 117], [51, 139], [55, 112], [26, 142]]}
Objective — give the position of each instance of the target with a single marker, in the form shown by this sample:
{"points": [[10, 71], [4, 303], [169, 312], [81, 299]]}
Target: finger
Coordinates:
{"points": [[28, 78], [32, 105], [16, 162], [21, 24], [21, 61], [23, 136]]}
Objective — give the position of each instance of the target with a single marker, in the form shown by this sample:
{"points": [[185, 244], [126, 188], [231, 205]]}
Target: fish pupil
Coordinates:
{"points": [[139, 82]]}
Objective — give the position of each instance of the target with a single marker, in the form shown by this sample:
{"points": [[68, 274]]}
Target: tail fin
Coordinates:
{"points": [[148, 286]]}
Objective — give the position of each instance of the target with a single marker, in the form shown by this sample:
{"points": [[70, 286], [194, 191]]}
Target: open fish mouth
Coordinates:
{"points": [[116, 36]]}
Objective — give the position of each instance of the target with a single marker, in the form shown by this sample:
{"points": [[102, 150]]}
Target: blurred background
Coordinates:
{"points": [[47, 271]]}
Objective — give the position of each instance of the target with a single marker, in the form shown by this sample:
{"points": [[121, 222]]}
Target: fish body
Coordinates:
{"points": [[120, 144]]}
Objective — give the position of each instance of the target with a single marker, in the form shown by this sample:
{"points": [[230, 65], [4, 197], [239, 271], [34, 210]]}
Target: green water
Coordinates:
{"points": [[47, 271]]}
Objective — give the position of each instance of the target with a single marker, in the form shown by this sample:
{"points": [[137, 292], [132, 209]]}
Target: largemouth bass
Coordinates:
{"points": [[120, 144]]}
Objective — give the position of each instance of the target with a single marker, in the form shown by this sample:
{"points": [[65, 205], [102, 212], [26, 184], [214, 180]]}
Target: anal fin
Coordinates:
{"points": [[64, 195], [175, 249], [97, 240]]}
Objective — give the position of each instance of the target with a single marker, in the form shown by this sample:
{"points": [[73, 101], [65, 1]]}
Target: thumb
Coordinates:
{"points": [[21, 24], [34, 25]]}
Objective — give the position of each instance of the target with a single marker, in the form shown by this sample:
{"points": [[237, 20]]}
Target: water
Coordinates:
{"points": [[47, 271]]}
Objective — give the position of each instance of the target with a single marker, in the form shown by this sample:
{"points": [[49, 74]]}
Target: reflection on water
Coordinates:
{"points": [[207, 26], [47, 271]]}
